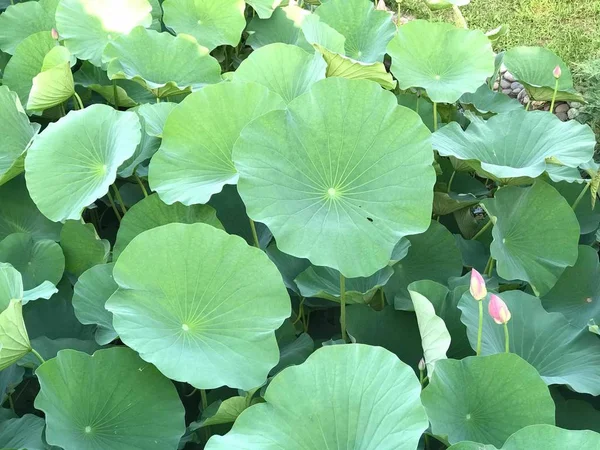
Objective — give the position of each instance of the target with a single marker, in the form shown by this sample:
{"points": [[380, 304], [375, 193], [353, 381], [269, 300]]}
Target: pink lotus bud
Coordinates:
{"points": [[54, 34], [557, 72], [421, 365], [477, 288], [381, 5], [498, 310]]}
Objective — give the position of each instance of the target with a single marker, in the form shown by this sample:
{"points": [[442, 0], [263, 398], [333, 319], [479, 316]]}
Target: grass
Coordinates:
{"points": [[570, 28]]}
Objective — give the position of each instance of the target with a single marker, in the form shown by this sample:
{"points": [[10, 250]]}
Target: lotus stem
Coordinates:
{"points": [[254, 234], [490, 267], [451, 180], [79, 103], [113, 206], [382, 298], [61, 108], [435, 122], [11, 403], [38, 356], [483, 229], [343, 307], [527, 106], [480, 329], [554, 95], [115, 94], [580, 197], [139, 181], [207, 432], [119, 199], [506, 338]]}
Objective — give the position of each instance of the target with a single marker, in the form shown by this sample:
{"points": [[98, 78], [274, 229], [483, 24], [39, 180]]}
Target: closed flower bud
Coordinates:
{"points": [[422, 365], [557, 72], [54, 34], [477, 288], [498, 310]]}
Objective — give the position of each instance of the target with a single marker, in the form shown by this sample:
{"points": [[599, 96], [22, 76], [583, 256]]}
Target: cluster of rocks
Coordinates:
{"points": [[511, 87]]}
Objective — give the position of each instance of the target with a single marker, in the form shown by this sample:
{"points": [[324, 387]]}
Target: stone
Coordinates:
{"points": [[496, 86], [516, 92], [563, 107], [522, 94], [575, 105], [509, 77], [516, 85], [572, 113], [562, 116], [525, 99], [507, 91], [502, 68], [505, 84]]}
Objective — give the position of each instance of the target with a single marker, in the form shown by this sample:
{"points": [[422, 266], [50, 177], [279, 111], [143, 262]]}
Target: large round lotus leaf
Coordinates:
{"points": [[576, 294], [121, 403], [366, 29], [24, 19], [534, 67], [283, 26], [147, 147], [541, 437], [289, 266], [206, 316], [86, 26], [285, 69], [23, 433], [340, 176], [36, 260], [444, 60], [194, 160], [535, 234], [432, 255], [486, 399], [517, 143], [27, 62], [16, 133], [264, 8], [151, 212], [365, 398], [211, 22], [82, 246], [485, 100], [14, 341], [562, 353], [324, 282], [587, 215], [93, 288], [75, 160], [317, 32], [183, 64], [11, 285], [155, 115]]}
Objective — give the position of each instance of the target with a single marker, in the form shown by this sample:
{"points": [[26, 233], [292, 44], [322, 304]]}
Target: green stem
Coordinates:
{"points": [[554, 95], [483, 229], [61, 108], [427, 445], [113, 206], [451, 180], [254, 234], [417, 107], [490, 267], [157, 99], [435, 124], [139, 181], [38, 356], [480, 329], [506, 338], [300, 311], [421, 377], [115, 94], [11, 403], [78, 98], [119, 198], [343, 307], [580, 197], [527, 106], [382, 298], [207, 432]]}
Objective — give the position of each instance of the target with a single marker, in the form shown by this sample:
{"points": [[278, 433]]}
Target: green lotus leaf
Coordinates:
{"points": [[435, 338], [206, 317], [372, 402], [225, 411], [421, 105], [293, 350], [366, 29], [36, 260], [185, 65], [436, 5], [486, 399], [27, 63], [93, 288], [284, 69], [576, 294], [14, 341], [155, 116], [444, 60], [194, 160], [211, 22], [147, 147], [49, 348], [484, 100], [87, 26], [23, 433], [75, 160], [540, 437], [264, 8], [324, 282], [126, 404], [289, 266], [54, 84], [516, 144], [151, 213], [562, 173], [17, 133], [11, 285], [44, 290], [10, 378], [21, 20], [317, 32], [432, 255], [588, 216], [284, 26], [534, 67], [526, 247], [82, 247], [342, 66], [396, 331], [562, 353], [342, 172]]}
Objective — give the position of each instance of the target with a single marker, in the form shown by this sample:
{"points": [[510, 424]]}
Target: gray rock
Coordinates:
{"points": [[516, 85], [525, 99], [516, 92], [502, 68], [572, 113], [576, 105], [505, 84], [496, 86], [522, 94], [507, 91], [563, 107], [562, 116], [509, 77]]}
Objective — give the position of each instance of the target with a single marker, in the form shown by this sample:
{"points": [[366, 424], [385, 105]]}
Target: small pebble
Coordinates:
{"points": [[572, 113], [516, 92], [562, 116], [522, 94], [509, 76], [563, 107], [496, 86], [505, 84], [525, 99], [575, 105], [507, 91], [502, 68], [516, 85]]}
